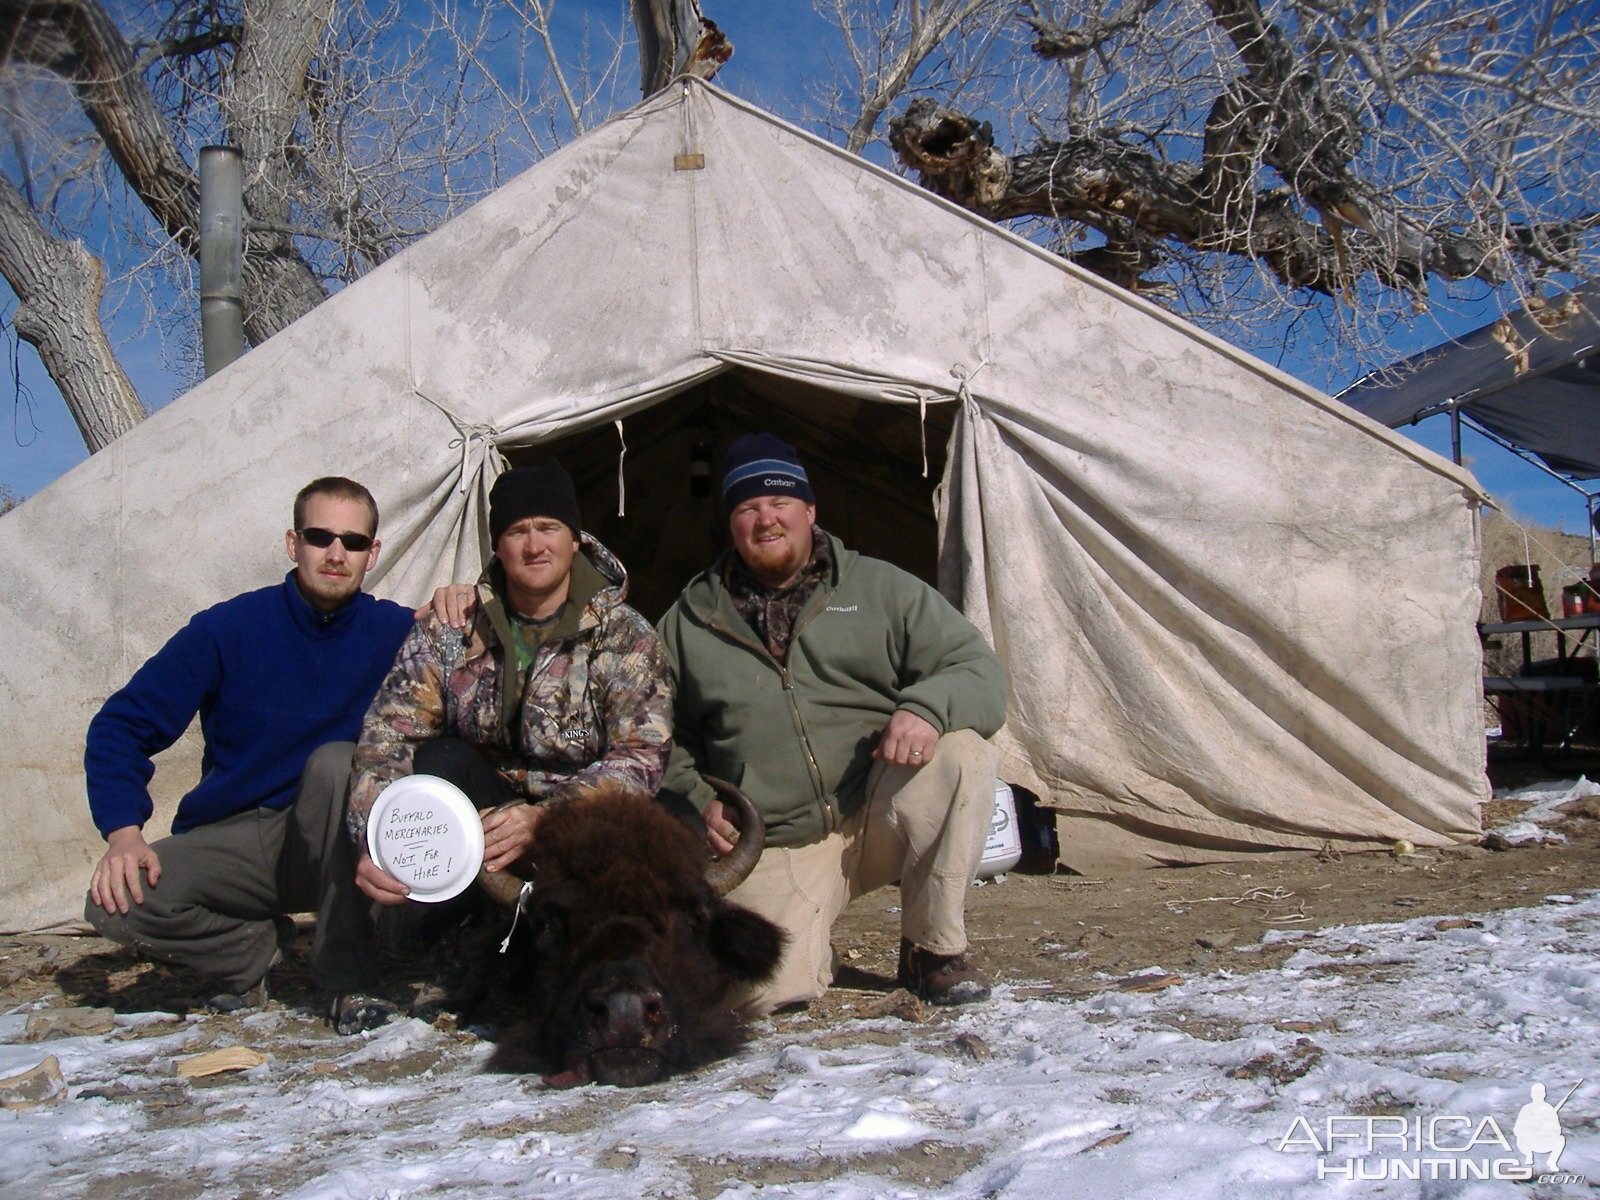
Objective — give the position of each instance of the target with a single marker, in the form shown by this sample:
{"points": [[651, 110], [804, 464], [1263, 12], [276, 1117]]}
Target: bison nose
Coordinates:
{"points": [[626, 1016]]}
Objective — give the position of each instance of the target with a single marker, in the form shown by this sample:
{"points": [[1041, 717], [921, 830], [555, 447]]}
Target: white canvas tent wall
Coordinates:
{"points": [[1237, 616]]}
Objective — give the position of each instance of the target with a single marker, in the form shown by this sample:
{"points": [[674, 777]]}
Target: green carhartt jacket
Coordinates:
{"points": [[798, 736]]}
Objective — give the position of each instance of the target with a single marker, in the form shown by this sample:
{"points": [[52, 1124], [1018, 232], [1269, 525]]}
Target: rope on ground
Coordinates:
{"points": [[1260, 896]]}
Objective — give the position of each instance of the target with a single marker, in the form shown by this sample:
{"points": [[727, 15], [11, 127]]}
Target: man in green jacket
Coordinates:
{"points": [[853, 704]]}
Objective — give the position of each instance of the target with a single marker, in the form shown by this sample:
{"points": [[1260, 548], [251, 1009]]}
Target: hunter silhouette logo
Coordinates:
{"points": [[1538, 1127]]}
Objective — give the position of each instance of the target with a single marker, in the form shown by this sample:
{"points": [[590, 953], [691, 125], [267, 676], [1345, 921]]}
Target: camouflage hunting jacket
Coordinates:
{"points": [[595, 702]]}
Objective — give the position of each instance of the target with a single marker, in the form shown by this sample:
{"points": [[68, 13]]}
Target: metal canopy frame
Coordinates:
{"points": [[1459, 418], [1479, 371]]}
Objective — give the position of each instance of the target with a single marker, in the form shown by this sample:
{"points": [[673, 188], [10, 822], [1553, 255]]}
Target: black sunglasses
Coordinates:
{"points": [[323, 538]]}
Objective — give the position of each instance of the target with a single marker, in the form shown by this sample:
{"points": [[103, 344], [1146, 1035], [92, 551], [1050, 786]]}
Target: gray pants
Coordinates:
{"points": [[226, 888]]}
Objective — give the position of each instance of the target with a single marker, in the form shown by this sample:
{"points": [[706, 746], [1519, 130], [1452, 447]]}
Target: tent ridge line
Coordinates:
{"points": [[1173, 320], [1187, 329]]}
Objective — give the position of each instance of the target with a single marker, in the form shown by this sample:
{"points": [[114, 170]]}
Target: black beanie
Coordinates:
{"points": [[759, 464], [542, 491]]}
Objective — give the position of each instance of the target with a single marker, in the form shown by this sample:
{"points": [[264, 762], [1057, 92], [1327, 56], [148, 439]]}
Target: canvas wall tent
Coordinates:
{"points": [[1237, 617]]}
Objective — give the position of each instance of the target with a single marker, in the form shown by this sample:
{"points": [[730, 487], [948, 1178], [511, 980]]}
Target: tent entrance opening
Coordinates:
{"points": [[864, 459]]}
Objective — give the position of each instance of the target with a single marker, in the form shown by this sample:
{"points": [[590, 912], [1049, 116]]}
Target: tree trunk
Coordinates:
{"points": [[676, 39], [266, 95], [78, 41], [58, 313]]}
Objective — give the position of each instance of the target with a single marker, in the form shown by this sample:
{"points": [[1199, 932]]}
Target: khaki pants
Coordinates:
{"points": [[226, 890], [924, 826]]}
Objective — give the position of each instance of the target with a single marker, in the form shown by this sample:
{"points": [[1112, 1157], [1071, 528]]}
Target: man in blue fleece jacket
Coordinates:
{"points": [[280, 678]]}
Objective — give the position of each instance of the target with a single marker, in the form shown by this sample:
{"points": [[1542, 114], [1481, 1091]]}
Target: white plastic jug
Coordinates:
{"points": [[1003, 850]]}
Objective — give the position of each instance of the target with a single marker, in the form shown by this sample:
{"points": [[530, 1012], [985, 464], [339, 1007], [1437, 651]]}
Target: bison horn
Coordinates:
{"points": [[727, 873], [502, 887]]}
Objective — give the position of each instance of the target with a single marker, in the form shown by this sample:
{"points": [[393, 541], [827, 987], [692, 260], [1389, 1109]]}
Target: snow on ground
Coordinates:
{"points": [[1379, 1061], [1222, 1086]]}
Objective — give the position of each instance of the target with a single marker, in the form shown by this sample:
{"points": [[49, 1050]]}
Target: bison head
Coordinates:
{"points": [[625, 957]]}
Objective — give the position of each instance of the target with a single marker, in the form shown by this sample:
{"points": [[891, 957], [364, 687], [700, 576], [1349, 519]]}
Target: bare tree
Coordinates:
{"points": [[58, 285], [1270, 166], [363, 124], [1246, 159], [895, 48]]}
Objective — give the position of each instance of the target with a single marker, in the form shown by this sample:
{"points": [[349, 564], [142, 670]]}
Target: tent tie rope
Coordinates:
{"points": [[466, 433], [622, 456], [469, 434], [922, 429], [963, 378]]}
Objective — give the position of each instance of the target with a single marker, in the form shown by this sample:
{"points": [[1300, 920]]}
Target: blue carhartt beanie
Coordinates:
{"points": [[759, 464]]}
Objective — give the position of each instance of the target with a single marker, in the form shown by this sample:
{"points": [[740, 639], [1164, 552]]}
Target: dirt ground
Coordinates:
{"points": [[1063, 932], [1054, 932], [1046, 934]]}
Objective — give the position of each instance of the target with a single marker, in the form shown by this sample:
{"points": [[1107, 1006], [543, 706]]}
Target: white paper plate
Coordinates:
{"points": [[424, 831]]}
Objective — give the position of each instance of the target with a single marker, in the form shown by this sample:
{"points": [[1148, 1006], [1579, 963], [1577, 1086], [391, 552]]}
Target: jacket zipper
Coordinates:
{"points": [[512, 732], [830, 818]]}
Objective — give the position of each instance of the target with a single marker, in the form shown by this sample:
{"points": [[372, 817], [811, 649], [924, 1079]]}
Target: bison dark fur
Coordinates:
{"points": [[624, 961]]}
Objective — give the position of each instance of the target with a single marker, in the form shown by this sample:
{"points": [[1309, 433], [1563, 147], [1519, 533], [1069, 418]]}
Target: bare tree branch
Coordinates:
{"points": [[1341, 144], [215, 38], [890, 47], [359, 130], [1054, 40], [76, 40]]}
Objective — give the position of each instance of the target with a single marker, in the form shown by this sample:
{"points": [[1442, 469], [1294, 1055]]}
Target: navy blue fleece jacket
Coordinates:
{"points": [[271, 678]]}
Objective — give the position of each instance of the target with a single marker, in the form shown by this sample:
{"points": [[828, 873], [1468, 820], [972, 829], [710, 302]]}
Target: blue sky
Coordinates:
{"points": [[780, 47]]}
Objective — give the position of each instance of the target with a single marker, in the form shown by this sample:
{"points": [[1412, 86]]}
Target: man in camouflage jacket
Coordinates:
{"points": [[554, 684]]}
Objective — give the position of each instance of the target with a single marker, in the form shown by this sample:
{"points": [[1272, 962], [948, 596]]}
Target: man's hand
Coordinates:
{"points": [[720, 832], [378, 885], [507, 832], [452, 604], [116, 875], [907, 741]]}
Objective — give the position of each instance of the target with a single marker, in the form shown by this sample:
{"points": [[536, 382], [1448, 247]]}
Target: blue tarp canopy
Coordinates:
{"points": [[1534, 383]]}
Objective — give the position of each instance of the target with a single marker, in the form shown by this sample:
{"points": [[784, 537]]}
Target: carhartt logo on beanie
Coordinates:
{"points": [[759, 464], [542, 491]]}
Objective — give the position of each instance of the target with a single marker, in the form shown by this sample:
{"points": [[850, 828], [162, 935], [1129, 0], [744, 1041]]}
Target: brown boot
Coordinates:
{"points": [[941, 978]]}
